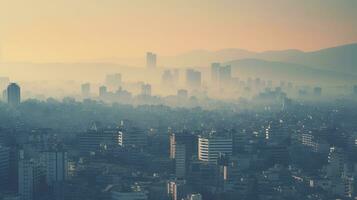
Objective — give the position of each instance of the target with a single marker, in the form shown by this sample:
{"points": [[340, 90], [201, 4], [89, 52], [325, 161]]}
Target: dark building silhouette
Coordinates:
{"points": [[182, 148], [97, 138], [4, 166], [13, 94]]}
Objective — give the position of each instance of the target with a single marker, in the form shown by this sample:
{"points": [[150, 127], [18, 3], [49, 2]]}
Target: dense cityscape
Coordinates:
{"points": [[192, 146], [178, 100]]}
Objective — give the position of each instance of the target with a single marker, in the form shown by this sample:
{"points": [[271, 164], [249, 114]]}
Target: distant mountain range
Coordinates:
{"points": [[340, 59], [283, 71]]}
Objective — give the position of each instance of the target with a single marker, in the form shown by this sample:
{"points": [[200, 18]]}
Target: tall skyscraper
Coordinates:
{"points": [[56, 164], [56, 169], [30, 177], [13, 94], [132, 137], [4, 167], [97, 138], [176, 189], [182, 147], [212, 145], [85, 88], [189, 140], [150, 60], [336, 162], [193, 79], [180, 160]]}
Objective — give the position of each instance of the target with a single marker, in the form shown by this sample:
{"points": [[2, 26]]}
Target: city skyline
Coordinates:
{"points": [[178, 100]]}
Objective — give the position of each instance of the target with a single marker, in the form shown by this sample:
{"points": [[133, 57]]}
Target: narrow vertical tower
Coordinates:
{"points": [[13, 94]]}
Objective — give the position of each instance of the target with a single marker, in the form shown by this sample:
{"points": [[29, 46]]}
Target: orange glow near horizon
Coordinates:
{"points": [[91, 30]]}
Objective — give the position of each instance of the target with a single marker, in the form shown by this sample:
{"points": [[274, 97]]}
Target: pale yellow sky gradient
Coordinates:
{"points": [[84, 30]]}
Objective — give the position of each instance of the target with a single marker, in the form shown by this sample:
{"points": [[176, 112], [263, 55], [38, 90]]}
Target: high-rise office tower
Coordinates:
{"points": [[212, 145], [85, 88], [215, 72], [150, 60], [4, 167], [182, 147], [56, 169], [132, 137], [97, 138], [336, 162], [277, 132], [13, 94], [188, 139], [102, 91], [31, 175], [180, 160], [193, 79], [56, 166], [146, 89], [176, 189]]}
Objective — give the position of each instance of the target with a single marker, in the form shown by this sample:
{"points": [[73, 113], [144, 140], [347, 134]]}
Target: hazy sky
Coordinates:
{"points": [[79, 30]]}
